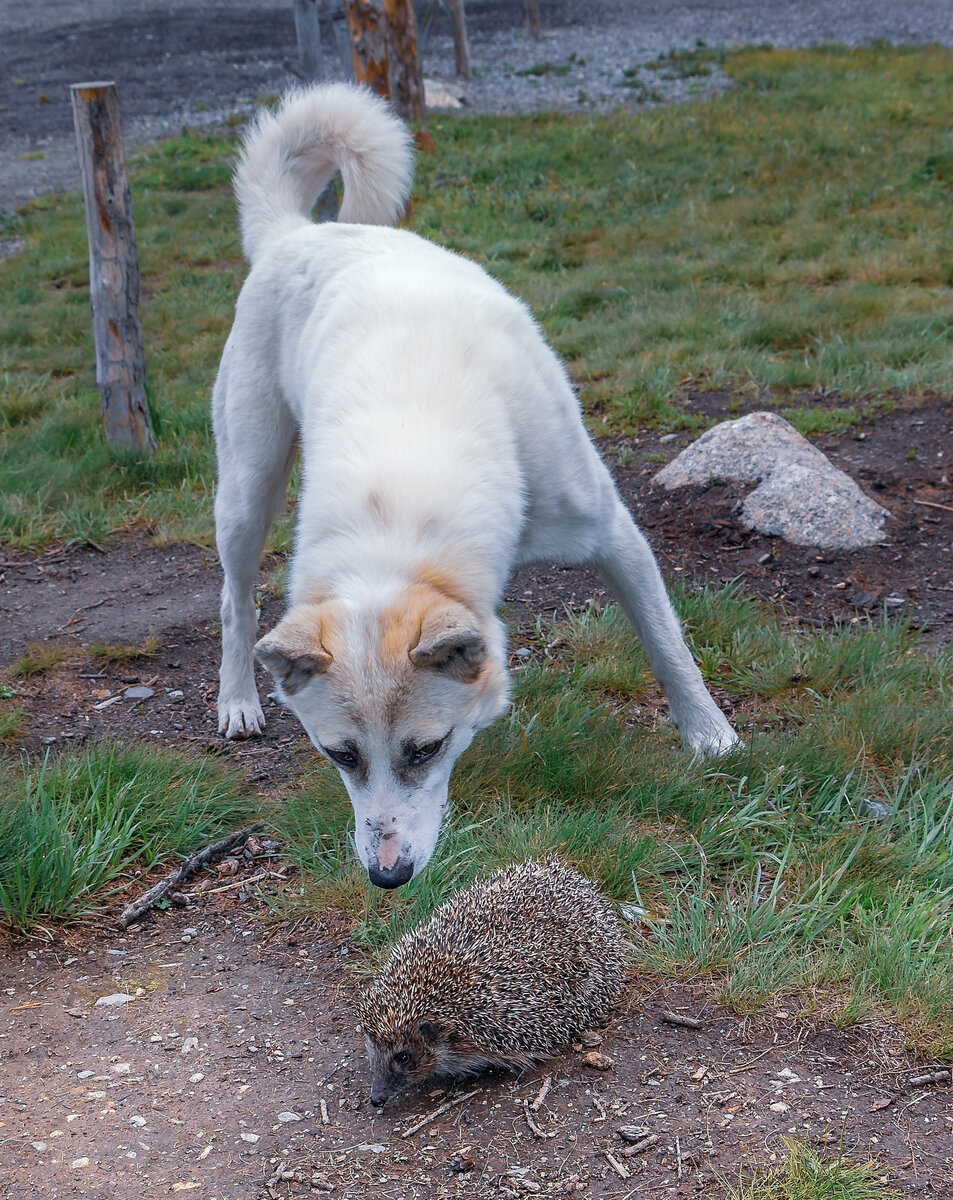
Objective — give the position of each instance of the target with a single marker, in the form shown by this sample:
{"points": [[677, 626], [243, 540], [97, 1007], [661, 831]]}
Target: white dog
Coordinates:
{"points": [[442, 444]]}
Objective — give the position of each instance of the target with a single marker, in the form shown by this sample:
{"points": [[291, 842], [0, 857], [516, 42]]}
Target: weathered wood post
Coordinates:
{"points": [[113, 267], [384, 47], [532, 19], [461, 46], [308, 31]]}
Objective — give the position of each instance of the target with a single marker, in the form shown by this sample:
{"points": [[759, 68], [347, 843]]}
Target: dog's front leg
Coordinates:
{"points": [[626, 563]]}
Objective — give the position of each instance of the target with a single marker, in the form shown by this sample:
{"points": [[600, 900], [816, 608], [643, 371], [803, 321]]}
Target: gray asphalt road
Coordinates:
{"points": [[178, 62]]}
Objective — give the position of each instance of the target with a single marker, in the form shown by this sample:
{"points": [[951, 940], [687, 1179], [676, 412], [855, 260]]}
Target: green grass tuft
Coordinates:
{"points": [[73, 829], [39, 660], [807, 1175]]}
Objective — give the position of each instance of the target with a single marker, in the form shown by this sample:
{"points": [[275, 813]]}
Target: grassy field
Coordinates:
{"points": [[791, 234]]}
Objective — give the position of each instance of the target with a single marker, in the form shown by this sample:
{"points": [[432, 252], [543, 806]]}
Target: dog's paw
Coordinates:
{"points": [[240, 719], [709, 735]]}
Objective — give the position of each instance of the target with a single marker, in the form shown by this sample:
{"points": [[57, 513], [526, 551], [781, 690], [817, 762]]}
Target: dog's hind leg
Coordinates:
{"points": [[256, 450], [628, 566]]}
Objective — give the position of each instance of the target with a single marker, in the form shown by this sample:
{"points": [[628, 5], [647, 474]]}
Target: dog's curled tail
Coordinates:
{"points": [[290, 155]]}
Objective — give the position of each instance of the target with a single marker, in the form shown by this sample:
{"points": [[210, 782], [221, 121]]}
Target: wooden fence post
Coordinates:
{"points": [[113, 267], [532, 19], [461, 45], [384, 47], [308, 31]]}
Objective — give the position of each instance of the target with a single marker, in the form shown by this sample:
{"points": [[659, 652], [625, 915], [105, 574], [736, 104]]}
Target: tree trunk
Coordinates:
{"points": [[461, 46], [308, 29], [532, 19], [384, 46], [113, 267]]}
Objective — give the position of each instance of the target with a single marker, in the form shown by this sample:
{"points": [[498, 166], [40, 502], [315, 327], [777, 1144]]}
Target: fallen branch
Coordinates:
{"points": [[620, 1170], [640, 1146], [934, 1077], [933, 504], [671, 1018], [542, 1094], [534, 1128], [183, 872], [439, 1113]]}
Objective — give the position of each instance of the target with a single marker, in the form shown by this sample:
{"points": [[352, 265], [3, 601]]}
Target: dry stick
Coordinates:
{"points": [[933, 1077], [933, 504], [620, 1170], [542, 1094], [182, 872], [671, 1018], [537, 1132], [439, 1112], [640, 1146]]}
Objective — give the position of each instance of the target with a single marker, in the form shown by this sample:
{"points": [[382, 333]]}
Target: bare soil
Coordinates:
{"points": [[272, 1006]]}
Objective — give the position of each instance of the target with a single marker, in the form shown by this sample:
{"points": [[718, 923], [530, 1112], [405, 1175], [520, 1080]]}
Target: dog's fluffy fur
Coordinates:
{"points": [[442, 444]]}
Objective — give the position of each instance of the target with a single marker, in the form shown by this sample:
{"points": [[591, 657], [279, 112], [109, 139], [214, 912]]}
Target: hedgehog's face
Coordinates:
{"points": [[402, 1060], [392, 697]]}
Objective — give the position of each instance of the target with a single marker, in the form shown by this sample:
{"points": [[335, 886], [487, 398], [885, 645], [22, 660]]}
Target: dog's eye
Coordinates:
{"points": [[345, 757], [420, 754], [402, 1058]]}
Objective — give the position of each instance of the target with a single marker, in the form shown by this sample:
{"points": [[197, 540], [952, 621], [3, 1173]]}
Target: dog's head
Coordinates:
{"points": [[392, 695]]}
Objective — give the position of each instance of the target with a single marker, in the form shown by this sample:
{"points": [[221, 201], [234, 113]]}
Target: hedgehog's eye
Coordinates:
{"points": [[344, 756], [402, 1058], [422, 754]]}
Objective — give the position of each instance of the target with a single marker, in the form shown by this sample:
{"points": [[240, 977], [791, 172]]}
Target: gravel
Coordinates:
{"points": [[181, 63]]}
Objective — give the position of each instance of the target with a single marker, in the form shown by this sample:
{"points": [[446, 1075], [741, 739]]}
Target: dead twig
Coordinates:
{"points": [[534, 1128], [541, 1095], [932, 1077], [240, 883], [671, 1018], [933, 504], [622, 1171], [183, 872], [640, 1146], [439, 1113], [323, 1105]]}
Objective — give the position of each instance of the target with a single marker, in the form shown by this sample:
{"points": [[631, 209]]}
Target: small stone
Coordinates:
{"points": [[79, 1162], [590, 1040], [137, 1121], [462, 1163], [116, 1000], [196, 1078], [632, 1133], [188, 1045], [668, 437], [597, 1061], [138, 693], [38, 1145], [250, 1137], [285, 1117], [85, 1074], [48, 741]]}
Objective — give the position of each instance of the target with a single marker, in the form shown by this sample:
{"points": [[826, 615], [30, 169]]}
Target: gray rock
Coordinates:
{"points": [[802, 497]]}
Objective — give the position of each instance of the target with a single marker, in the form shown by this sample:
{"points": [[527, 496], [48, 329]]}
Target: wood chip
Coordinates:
{"points": [[640, 1147], [542, 1094]]}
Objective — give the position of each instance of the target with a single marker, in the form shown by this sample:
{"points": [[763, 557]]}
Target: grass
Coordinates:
{"points": [[789, 235], [815, 862], [38, 660], [74, 831], [109, 655], [806, 1175]]}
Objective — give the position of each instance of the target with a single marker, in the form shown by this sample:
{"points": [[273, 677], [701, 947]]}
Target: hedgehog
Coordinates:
{"points": [[502, 975]]}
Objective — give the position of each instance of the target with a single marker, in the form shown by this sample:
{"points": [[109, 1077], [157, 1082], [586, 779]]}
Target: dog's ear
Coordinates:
{"points": [[450, 644], [293, 651]]}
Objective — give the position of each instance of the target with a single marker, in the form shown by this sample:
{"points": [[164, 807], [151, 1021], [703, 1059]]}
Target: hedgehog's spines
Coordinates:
{"points": [[510, 968]]}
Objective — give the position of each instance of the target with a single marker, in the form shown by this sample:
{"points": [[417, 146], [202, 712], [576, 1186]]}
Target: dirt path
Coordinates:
{"points": [[239, 1052]]}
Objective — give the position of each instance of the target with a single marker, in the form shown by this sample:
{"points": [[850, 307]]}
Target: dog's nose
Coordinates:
{"points": [[392, 877]]}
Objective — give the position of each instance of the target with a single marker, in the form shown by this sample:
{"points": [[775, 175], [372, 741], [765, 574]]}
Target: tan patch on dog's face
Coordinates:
{"points": [[401, 625]]}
